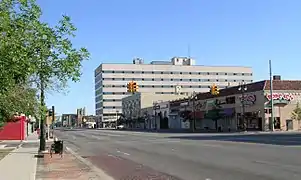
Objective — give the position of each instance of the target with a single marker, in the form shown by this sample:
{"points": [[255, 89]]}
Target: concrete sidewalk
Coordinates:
{"points": [[21, 163]]}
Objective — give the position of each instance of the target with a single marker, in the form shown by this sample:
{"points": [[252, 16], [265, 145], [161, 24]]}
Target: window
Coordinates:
{"points": [[230, 100]]}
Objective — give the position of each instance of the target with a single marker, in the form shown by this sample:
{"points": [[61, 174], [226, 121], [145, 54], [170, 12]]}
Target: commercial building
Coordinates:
{"points": [[245, 106], [140, 106], [178, 76], [69, 120], [80, 112]]}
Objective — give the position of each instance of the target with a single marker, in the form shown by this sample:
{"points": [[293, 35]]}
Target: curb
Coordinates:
{"points": [[102, 175]]}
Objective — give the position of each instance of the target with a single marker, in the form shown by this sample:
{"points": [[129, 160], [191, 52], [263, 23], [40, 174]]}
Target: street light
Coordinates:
{"points": [[155, 107], [116, 119], [243, 88], [193, 98]]}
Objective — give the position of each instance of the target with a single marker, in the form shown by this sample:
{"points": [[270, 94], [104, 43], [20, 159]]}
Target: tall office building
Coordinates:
{"points": [[161, 77]]}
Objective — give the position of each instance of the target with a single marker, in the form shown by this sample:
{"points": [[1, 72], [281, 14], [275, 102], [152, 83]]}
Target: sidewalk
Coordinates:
{"points": [[21, 162], [67, 167]]}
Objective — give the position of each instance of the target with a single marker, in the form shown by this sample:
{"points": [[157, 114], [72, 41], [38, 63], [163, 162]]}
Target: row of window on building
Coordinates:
{"points": [[168, 79], [176, 72]]}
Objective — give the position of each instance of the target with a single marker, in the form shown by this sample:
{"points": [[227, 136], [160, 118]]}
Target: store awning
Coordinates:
{"points": [[276, 102]]}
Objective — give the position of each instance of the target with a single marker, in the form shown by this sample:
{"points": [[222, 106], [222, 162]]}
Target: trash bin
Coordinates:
{"points": [[58, 147]]}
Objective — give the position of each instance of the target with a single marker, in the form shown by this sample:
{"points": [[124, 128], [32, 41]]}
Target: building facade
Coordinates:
{"points": [[141, 105], [178, 76], [246, 106], [69, 120]]}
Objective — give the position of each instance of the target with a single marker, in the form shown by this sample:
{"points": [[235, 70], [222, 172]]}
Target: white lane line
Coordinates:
{"points": [[114, 135], [123, 153]]}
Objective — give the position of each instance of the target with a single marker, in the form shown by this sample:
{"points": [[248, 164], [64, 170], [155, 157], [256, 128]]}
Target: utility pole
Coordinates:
{"points": [[271, 92]]}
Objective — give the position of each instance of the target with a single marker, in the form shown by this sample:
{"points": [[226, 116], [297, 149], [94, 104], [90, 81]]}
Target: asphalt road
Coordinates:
{"points": [[137, 155]]}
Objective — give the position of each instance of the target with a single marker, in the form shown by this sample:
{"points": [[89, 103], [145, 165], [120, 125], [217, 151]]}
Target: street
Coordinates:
{"points": [[139, 155]]}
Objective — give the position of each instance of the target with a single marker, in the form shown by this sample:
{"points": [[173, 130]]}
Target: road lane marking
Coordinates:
{"points": [[123, 153]]}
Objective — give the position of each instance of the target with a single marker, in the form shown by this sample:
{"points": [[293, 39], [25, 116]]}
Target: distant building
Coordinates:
{"points": [[69, 120], [81, 112], [180, 75], [141, 105]]}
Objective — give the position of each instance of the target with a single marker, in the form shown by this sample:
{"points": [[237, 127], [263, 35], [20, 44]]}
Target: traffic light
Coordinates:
{"points": [[50, 112], [135, 87], [130, 87], [214, 90]]}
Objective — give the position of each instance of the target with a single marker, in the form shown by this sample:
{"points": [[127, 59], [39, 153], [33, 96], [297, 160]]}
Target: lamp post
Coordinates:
{"points": [[116, 119], [243, 88], [193, 98]]}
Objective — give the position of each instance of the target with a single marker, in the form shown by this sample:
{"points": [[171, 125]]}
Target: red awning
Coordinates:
{"points": [[198, 114]]}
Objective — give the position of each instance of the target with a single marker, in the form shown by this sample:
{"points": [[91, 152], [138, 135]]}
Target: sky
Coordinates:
{"points": [[218, 32]]}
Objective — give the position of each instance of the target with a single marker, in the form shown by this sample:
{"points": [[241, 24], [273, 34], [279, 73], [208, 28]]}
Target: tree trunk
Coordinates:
{"points": [[216, 125]]}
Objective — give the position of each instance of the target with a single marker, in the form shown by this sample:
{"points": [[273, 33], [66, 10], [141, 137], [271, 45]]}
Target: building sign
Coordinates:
{"points": [[249, 99], [280, 96]]}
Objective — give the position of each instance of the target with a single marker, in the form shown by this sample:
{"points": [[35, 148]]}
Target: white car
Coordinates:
{"points": [[120, 127]]}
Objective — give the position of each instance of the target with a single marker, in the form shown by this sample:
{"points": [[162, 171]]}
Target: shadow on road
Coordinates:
{"points": [[75, 129], [153, 131], [273, 139]]}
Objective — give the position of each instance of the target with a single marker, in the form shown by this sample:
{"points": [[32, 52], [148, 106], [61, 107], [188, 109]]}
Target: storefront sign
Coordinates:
{"points": [[248, 99], [280, 96]]}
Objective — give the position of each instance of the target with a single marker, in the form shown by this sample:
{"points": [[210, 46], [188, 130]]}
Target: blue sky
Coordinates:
{"points": [[220, 32]]}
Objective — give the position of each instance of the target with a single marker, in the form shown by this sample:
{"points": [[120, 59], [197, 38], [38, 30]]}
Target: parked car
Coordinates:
{"points": [[120, 127]]}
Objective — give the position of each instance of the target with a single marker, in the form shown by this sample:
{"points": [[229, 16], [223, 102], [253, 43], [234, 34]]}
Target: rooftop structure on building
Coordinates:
{"points": [[180, 75]]}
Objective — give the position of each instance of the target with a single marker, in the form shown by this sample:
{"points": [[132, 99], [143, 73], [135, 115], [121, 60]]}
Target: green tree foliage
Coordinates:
{"points": [[34, 55], [215, 114], [16, 95], [20, 99], [296, 114]]}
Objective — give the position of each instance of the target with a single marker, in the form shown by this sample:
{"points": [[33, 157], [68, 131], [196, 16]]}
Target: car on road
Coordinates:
{"points": [[120, 127]]}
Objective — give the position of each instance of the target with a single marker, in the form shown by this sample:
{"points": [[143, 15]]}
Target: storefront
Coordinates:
{"points": [[251, 109], [285, 102]]}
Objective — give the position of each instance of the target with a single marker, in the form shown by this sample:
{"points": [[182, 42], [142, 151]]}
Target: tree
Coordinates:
{"points": [[296, 114], [21, 99], [215, 114], [47, 53]]}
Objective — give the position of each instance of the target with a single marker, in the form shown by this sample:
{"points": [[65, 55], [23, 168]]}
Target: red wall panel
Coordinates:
{"points": [[13, 130]]}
